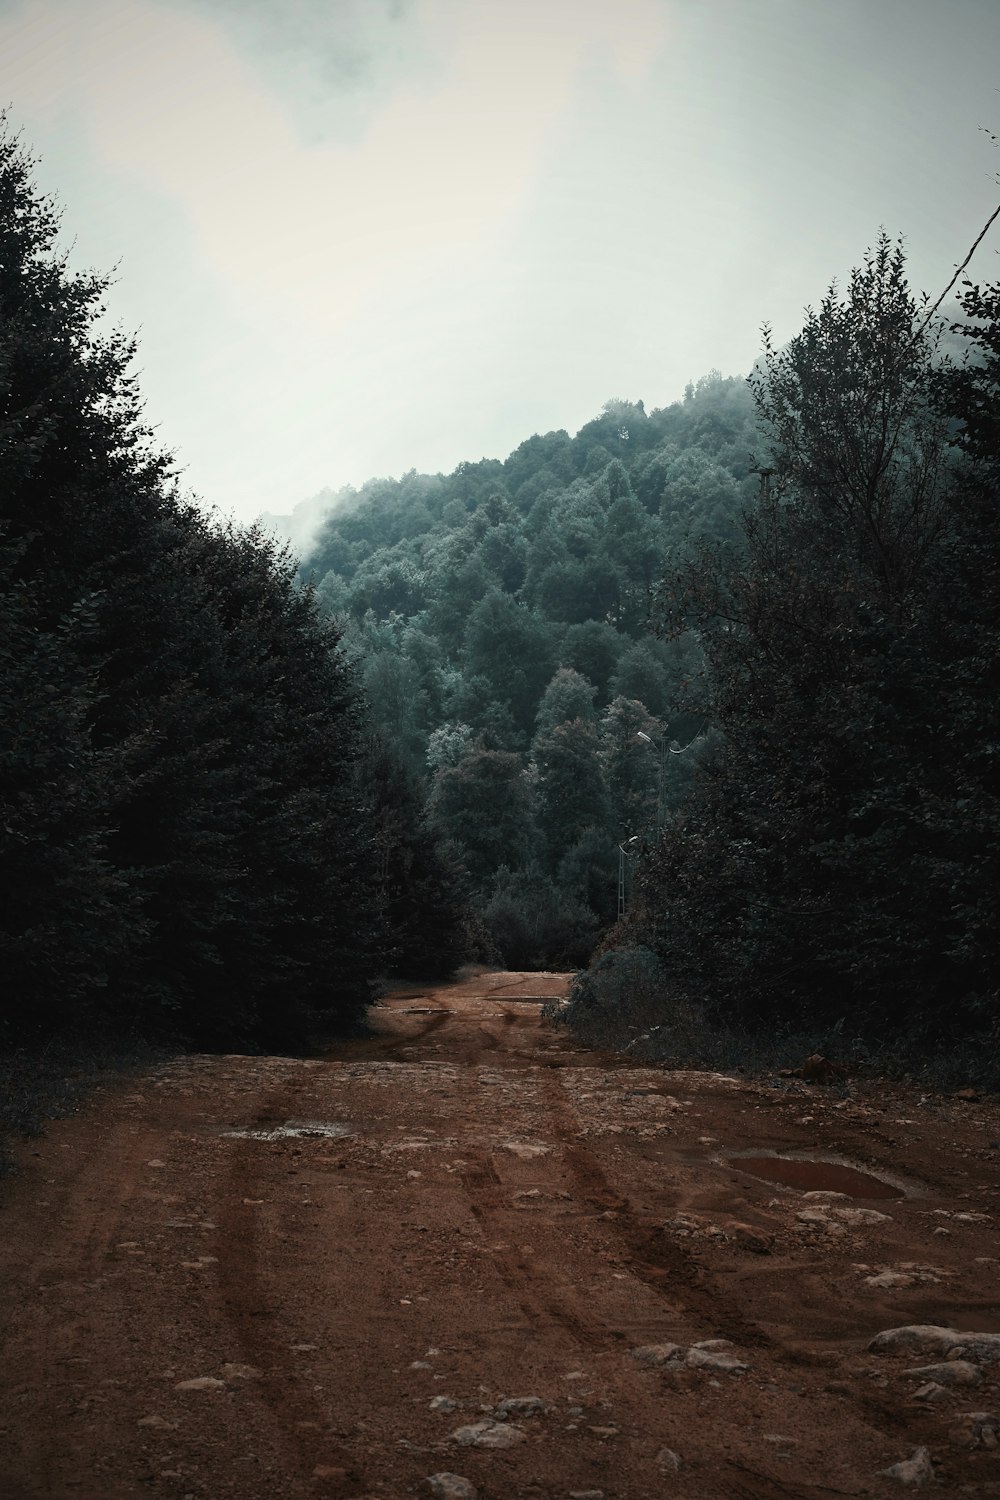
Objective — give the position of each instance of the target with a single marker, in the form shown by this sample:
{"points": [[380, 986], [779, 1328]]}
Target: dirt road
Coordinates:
{"points": [[264, 1277]]}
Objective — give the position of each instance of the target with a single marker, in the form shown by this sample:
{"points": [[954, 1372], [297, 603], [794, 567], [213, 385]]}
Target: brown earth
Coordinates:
{"points": [[492, 1213]]}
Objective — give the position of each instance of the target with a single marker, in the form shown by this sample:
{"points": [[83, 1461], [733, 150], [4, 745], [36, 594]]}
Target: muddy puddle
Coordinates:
{"points": [[814, 1175], [295, 1130]]}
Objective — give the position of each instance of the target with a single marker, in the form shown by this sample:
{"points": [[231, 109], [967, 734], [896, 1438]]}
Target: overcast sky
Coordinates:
{"points": [[361, 236]]}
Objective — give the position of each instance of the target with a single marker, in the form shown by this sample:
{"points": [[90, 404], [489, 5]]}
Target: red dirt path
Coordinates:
{"points": [[509, 1216]]}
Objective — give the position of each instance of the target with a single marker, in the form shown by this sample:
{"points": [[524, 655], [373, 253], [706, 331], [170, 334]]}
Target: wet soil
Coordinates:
{"points": [[354, 1256]]}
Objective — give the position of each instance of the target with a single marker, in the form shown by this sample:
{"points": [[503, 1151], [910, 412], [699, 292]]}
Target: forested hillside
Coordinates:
{"points": [[834, 868], [705, 696], [499, 619], [753, 703]]}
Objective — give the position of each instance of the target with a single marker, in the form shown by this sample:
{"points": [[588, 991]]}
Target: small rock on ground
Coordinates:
{"points": [[487, 1435], [520, 1406], [657, 1354], [977, 1429], [715, 1359], [916, 1470], [445, 1486], [984, 1348], [952, 1372]]}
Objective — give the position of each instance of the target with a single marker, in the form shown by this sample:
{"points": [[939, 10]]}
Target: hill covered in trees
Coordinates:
{"points": [[499, 621], [705, 695], [541, 638]]}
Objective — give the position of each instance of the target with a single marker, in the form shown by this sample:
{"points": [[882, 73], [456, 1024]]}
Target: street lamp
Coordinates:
{"points": [[623, 850], [658, 746], [661, 747]]}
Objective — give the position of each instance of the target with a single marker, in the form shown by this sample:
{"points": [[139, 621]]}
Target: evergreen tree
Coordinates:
{"points": [[181, 758], [826, 865]]}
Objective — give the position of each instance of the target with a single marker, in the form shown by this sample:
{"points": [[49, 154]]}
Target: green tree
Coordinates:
{"points": [[513, 650], [482, 807], [819, 867], [185, 764], [569, 789], [420, 901], [568, 696], [631, 766]]}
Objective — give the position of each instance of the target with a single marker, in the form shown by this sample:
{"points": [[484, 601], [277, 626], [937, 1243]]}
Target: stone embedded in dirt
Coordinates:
{"points": [[916, 1470], [855, 1216], [712, 1359], [155, 1163], [520, 1406], [667, 1461], [930, 1392], [746, 1237], [683, 1224], [445, 1486], [977, 1429], [442, 1403], [160, 1423], [983, 1348], [651, 1355], [952, 1372], [893, 1279], [241, 1372], [526, 1150], [487, 1434], [925, 1336], [201, 1383], [714, 1344]]}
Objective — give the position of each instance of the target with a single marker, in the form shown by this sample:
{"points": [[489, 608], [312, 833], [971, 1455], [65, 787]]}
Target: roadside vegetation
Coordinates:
{"points": [[700, 701]]}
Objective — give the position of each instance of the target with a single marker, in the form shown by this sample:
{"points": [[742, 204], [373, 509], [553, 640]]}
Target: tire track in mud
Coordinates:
{"points": [[665, 1265], [51, 1329], [250, 1301], [545, 1310]]}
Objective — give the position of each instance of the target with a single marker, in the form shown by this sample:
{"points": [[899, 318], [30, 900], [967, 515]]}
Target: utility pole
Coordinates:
{"points": [[623, 850]]}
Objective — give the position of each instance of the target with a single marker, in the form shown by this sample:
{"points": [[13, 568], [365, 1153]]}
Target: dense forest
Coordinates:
{"points": [[703, 696], [189, 784], [498, 618], [725, 672]]}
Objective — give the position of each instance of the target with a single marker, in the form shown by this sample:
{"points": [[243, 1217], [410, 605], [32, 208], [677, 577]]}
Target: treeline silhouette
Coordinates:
{"points": [[188, 842], [236, 792]]}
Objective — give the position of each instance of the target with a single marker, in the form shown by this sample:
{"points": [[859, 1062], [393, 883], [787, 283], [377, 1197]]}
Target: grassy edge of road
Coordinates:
{"points": [[40, 1084]]}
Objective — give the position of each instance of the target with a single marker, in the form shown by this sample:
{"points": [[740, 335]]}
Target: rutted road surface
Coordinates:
{"points": [[267, 1277]]}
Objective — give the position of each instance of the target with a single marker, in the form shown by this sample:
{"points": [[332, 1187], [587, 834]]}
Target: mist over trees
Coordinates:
{"points": [[731, 663], [499, 619], [820, 621], [834, 865]]}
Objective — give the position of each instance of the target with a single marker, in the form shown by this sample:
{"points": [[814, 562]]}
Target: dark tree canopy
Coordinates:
{"points": [[836, 858], [185, 848]]}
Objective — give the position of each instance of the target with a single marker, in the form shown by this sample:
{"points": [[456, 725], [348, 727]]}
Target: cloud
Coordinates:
{"points": [[444, 165]]}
